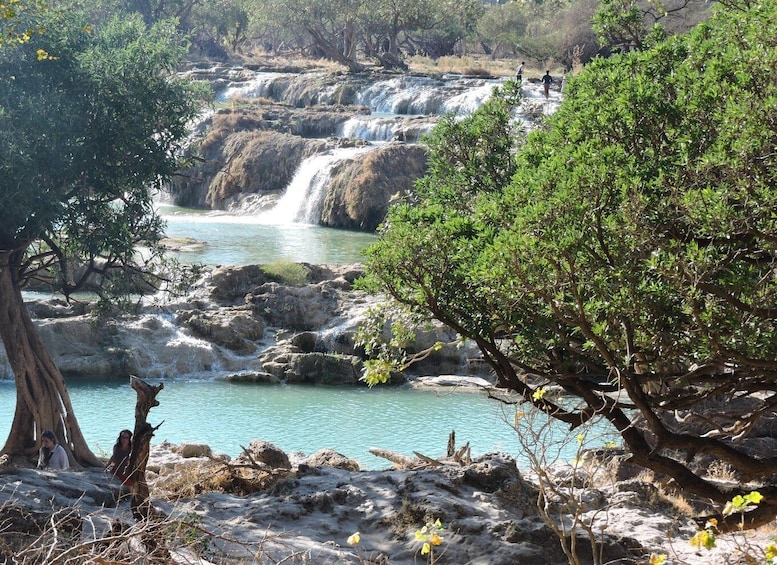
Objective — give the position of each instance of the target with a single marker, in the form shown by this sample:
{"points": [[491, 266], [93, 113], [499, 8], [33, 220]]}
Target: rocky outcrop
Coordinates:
{"points": [[310, 505], [244, 324], [237, 331], [361, 190], [264, 452], [237, 158]]}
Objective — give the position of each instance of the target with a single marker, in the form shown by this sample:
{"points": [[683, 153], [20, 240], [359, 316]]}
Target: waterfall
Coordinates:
{"points": [[303, 198], [262, 85], [401, 108]]}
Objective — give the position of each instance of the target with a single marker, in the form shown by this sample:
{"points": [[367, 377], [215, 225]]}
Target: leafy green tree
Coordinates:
{"points": [[502, 26], [86, 136], [331, 25], [225, 21], [626, 25], [629, 260], [387, 22], [452, 23], [17, 20], [154, 11]]}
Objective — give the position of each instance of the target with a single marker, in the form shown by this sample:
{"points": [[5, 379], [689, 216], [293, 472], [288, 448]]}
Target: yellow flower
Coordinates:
{"points": [[435, 539], [426, 549], [755, 497], [354, 539], [539, 393], [657, 559], [704, 538], [770, 551]]}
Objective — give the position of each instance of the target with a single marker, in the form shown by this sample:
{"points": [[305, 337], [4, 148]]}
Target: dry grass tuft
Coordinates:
{"points": [[467, 65], [187, 481]]}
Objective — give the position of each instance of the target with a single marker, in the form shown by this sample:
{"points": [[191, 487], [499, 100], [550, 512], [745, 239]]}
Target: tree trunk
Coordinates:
{"points": [[42, 400], [141, 446]]}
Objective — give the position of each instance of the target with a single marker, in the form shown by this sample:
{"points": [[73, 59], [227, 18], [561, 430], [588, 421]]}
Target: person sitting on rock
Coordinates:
{"points": [[52, 455], [119, 462]]}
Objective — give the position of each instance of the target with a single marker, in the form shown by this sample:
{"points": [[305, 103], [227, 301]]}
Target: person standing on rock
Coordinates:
{"points": [[52, 455], [519, 72], [547, 80]]}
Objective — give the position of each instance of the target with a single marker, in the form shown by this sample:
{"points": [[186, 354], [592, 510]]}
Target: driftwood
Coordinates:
{"points": [[399, 459], [141, 447], [462, 456]]}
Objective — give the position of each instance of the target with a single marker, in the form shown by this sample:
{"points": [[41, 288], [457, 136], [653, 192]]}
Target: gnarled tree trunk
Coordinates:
{"points": [[42, 399], [141, 446]]}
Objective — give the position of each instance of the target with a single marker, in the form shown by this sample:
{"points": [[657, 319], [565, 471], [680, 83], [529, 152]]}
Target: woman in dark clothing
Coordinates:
{"points": [[119, 461]]}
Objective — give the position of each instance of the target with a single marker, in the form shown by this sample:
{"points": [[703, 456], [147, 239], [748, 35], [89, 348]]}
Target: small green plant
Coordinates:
{"points": [[707, 539], [430, 536], [386, 332], [189, 533], [287, 272]]}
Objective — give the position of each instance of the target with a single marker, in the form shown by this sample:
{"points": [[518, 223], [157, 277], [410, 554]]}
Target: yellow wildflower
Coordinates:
{"points": [[704, 538], [770, 551]]}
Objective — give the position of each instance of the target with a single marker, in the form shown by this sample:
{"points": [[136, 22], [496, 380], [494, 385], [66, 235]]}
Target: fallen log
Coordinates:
{"points": [[399, 459]]}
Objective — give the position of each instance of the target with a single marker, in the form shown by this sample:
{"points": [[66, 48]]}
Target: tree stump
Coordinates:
{"points": [[141, 446]]}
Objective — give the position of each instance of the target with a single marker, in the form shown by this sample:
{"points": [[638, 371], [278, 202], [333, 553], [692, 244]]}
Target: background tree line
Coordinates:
{"points": [[352, 32]]}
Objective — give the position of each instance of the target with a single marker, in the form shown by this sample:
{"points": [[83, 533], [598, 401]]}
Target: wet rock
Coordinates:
{"points": [[361, 190], [234, 329]]}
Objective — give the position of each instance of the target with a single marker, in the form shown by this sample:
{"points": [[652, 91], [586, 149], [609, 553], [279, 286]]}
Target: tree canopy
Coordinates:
{"points": [[86, 136], [629, 258]]}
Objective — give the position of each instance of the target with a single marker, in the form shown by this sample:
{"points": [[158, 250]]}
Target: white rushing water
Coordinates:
{"points": [[303, 199], [403, 107]]}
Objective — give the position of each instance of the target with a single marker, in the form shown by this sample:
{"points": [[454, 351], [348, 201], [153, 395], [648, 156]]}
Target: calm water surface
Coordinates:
{"points": [[244, 240], [295, 418], [227, 416]]}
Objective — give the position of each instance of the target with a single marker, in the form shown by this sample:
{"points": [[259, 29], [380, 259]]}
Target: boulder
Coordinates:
{"points": [[332, 458], [322, 368], [188, 450], [229, 285], [251, 377], [265, 452], [295, 308], [361, 190], [237, 330]]}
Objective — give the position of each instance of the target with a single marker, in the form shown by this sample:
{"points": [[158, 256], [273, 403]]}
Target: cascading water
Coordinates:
{"points": [[303, 198], [284, 225], [402, 108]]}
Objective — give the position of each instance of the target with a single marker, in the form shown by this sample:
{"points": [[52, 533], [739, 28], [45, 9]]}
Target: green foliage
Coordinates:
{"points": [[428, 245], [503, 24], [627, 246], [87, 136], [18, 20], [386, 332], [287, 272]]}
